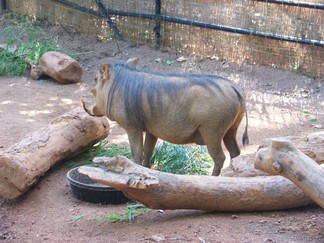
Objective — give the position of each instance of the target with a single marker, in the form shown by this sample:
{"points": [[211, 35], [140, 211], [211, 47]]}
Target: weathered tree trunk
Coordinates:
{"points": [[161, 190], [312, 145], [23, 163], [60, 67], [283, 158]]}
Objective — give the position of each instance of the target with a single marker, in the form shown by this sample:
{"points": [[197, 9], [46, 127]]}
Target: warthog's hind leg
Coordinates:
{"points": [[216, 152], [231, 143], [149, 145], [230, 137]]}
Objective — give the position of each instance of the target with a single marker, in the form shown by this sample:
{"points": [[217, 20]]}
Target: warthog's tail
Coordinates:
{"points": [[245, 138]]}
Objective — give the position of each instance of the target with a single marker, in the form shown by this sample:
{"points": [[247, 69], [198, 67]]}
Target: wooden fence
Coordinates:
{"points": [[284, 34]]}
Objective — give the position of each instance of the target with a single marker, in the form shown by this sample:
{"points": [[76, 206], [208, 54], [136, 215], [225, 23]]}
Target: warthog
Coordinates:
{"points": [[179, 108]]}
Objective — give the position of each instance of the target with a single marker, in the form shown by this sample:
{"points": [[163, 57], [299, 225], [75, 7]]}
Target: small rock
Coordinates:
{"points": [[234, 216], [158, 60], [201, 240], [317, 126], [267, 240], [182, 59], [158, 238], [214, 58]]}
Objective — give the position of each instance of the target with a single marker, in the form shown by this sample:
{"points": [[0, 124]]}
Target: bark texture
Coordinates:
{"points": [[283, 158], [62, 68], [161, 190], [23, 163], [311, 144]]}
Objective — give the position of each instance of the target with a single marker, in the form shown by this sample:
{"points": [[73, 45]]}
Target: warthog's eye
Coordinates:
{"points": [[97, 78]]}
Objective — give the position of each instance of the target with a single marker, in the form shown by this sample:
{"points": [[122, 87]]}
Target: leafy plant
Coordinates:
{"points": [[170, 62], [114, 218], [132, 211], [167, 157], [181, 159], [296, 67], [77, 217], [99, 150], [115, 150], [24, 44]]}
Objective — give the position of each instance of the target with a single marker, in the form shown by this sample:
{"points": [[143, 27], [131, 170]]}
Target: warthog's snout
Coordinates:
{"points": [[92, 110]]}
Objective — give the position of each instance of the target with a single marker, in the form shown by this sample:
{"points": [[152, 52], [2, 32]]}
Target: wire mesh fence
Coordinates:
{"points": [[284, 34]]}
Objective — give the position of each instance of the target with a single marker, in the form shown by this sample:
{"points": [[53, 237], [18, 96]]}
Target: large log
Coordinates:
{"points": [[283, 158], [62, 68], [24, 162], [311, 144], [159, 190]]}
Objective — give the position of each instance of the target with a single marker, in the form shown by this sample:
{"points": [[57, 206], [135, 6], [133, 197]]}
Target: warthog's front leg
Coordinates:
{"points": [[135, 138]]}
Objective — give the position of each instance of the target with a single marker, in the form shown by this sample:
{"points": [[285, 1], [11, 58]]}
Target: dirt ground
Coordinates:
{"points": [[280, 103]]}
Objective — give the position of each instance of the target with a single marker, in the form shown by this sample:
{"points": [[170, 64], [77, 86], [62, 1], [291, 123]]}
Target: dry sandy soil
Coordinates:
{"points": [[280, 103]]}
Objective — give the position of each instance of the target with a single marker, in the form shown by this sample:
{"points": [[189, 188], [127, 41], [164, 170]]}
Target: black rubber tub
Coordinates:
{"points": [[85, 189]]}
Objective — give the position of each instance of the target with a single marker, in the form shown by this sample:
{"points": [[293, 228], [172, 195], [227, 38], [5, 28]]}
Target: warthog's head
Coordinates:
{"points": [[100, 93]]}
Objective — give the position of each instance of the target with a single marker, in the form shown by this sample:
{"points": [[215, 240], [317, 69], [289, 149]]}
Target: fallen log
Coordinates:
{"points": [[159, 190], [23, 163], [62, 68], [311, 144], [283, 158]]}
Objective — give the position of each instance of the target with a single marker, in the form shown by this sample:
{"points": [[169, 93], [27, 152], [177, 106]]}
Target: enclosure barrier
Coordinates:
{"points": [[285, 34]]}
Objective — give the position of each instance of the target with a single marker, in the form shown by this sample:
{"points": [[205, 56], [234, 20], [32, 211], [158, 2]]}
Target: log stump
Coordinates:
{"points": [[311, 144], [62, 68], [283, 158]]}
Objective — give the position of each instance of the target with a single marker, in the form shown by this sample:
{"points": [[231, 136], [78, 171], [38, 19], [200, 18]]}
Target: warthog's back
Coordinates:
{"points": [[174, 106]]}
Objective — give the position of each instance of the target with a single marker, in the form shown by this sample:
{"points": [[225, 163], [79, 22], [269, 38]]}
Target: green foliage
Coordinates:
{"points": [[181, 159], [99, 150], [167, 157], [132, 211], [115, 150], [113, 218], [77, 217], [24, 43], [296, 67], [170, 62]]}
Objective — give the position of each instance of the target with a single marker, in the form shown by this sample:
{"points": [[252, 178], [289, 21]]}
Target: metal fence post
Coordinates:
{"points": [[3, 5], [105, 13], [157, 26]]}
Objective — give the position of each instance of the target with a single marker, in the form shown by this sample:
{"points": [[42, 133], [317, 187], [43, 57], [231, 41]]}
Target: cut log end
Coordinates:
{"points": [[283, 158]]}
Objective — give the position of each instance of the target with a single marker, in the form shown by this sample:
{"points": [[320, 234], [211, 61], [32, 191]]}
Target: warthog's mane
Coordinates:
{"points": [[133, 84]]}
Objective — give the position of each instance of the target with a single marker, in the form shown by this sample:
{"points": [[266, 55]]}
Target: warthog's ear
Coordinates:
{"points": [[104, 71], [132, 61]]}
